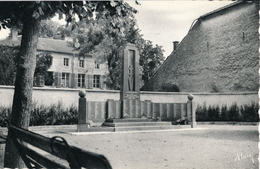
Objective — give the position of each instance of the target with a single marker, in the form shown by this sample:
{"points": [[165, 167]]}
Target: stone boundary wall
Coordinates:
{"points": [[48, 96]]}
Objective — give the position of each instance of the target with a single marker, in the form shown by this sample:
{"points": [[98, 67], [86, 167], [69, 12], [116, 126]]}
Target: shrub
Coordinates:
{"points": [[4, 114], [213, 113], [250, 112], [246, 113], [55, 114], [233, 112], [201, 113], [214, 88], [39, 115], [223, 113], [168, 87]]}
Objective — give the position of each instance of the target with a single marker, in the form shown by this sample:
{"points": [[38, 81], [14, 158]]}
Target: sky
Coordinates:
{"points": [[163, 22]]}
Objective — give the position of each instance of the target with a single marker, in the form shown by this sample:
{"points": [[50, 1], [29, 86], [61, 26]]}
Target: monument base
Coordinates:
{"points": [[128, 120], [131, 108], [82, 127]]}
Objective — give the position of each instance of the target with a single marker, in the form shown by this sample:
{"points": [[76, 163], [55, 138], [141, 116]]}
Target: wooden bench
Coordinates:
{"points": [[26, 143]]}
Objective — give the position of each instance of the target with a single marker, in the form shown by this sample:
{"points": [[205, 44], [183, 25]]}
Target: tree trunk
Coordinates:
{"points": [[22, 101]]}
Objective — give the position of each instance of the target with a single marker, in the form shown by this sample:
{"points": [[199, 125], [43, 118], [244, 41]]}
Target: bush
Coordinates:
{"points": [[4, 114], [201, 113], [246, 113], [55, 114], [250, 112], [233, 113], [223, 113], [168, 87], [213, 113]]}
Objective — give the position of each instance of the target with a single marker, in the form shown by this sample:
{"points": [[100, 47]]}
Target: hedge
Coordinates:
{"points": [[244, 113], [55, 114]]}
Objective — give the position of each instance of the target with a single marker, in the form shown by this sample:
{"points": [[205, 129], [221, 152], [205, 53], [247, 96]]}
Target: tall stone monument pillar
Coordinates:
{"points": [[130, 92]]}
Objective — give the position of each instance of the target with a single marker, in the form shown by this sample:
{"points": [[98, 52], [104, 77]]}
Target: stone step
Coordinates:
{"points": [[126, 124], [128, 120], [146, 128]]}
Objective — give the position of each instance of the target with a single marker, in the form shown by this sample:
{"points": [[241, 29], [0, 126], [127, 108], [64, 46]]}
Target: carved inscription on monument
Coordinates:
{"points": [[131, 72], [131, 95]]}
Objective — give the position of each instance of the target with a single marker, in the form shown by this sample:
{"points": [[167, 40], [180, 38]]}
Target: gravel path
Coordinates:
{"points": [[209, 146], [212, 147]]}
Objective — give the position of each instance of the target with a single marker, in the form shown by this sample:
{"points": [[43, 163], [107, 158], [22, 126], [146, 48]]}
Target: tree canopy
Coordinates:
{"points": [[103, 37], [8, 56], [28, 15], [151, 58]]}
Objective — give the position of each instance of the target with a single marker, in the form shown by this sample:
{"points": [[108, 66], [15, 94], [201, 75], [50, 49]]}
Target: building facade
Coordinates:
{"points": [[220, 53], [68, 69]]}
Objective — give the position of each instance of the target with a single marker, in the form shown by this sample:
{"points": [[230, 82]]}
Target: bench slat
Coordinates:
{"points": [[84, 158], [87, 159], [39, 159]]}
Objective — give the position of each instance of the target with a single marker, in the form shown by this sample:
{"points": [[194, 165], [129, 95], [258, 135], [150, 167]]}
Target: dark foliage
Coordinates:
{"points": [[43, 63], [168, 87], [55, 114], [245, 113], [8, 60]]}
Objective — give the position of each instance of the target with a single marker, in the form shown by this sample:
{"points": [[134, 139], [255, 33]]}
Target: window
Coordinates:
{"points": [[96, 81], [66, 61], [81, 80], [81, 63], [97, 65], [65, 80]]}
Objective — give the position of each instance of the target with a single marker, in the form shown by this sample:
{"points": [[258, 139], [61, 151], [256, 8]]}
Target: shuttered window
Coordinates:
{"points": [[65, 80], [81, 80], [96, 81]]}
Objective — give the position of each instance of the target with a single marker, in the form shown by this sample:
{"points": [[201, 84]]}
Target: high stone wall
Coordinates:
{"points": [[219, 54]]}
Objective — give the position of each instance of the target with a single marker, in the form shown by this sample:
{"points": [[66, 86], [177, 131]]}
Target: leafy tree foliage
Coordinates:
{"points": [[49, 28], [104, 37], [29, 14], [168, 87], [8, 62], [150, 59], [43, 63]]}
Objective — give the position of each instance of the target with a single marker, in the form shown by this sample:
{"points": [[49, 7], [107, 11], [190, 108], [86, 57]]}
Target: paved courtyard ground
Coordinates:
{"points": [[208, 146]]}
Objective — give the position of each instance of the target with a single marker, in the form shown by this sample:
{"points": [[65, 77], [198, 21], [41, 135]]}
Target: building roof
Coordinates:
{"points": [[216, 11], [220, 9], [44, 44], [53, 45]]}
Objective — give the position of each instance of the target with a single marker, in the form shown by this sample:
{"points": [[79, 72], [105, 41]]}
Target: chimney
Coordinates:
{"points": [[14, 34], [175, 45]]}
